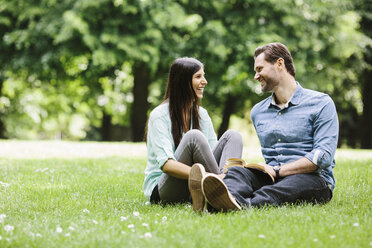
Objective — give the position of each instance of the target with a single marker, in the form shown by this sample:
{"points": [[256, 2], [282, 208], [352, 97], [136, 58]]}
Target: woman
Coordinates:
{"points": [[179, 134]]}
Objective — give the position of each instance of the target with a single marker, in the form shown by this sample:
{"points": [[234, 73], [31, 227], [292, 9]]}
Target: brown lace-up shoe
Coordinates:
{"points": [[217, 194], [195, 179]]}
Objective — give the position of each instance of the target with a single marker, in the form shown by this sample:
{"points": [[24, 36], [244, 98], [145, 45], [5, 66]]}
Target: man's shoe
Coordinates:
{"points": [[217, 194], [195, 179]]}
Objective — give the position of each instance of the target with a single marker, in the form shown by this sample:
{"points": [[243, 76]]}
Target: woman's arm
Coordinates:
{"points": [[179, 170], [176, 169]]}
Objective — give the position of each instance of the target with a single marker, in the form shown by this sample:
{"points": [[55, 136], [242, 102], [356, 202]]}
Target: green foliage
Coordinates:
{"points": [[28, 116], [92, 47]]}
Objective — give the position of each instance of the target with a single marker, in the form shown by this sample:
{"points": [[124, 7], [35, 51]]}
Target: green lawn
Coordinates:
{"points": [[73, 198]]}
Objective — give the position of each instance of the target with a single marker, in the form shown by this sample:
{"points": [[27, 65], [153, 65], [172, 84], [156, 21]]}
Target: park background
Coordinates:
{"points": [[74, 73], [93, 70]]}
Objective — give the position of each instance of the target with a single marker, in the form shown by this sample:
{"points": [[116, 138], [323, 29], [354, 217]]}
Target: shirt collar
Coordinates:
{"points": [[295, 99]]}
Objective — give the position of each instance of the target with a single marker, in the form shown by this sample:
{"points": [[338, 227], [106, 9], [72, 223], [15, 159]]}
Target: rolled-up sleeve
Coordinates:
{"points": [[325, 136], [159, 143]]}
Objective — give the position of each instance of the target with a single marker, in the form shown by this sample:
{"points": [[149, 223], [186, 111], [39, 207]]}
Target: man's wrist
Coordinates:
{"points": [[277, 171]]}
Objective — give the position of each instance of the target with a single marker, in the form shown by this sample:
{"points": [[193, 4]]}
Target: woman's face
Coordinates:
{"points": [[199, 82]]}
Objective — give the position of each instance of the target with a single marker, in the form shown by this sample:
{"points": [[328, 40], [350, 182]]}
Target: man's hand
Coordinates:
{"points": [[269, 168], [300, 166]]}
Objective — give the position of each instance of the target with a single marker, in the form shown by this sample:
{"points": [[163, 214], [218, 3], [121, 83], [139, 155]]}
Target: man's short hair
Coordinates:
{"points": [[274, 51]]}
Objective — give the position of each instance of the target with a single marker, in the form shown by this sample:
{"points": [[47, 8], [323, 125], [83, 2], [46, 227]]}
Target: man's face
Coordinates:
{"points": [[266, 73]]}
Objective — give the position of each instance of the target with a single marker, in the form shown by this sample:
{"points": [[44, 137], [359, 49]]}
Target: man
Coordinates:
{"points": [[298, 132]]}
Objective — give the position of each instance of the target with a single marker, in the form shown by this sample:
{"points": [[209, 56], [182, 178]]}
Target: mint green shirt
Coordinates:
{"points": [[160, 144]]}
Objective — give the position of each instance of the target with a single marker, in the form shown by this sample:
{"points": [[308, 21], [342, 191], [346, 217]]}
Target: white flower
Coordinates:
{"points": [[147, 203], [164, 218], [2, 217], [136, 213], [8, 228], [156, 222], [123, 218], [71, 228], [1, 237], [86, 211], [59, 229], [67, 234], [148, 235], [38, 235], [356, 224], [145, 224], [122, 232], [332, 236], [315, 240], [130, 226], [261, 236], [95, 222], [6, 185]]}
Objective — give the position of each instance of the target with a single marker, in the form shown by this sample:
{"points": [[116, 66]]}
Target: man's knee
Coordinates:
{"points": [[235, 170], [238, 173]]}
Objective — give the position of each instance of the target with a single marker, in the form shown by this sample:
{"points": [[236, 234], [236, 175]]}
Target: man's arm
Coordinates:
{"points": [[325, 136], [300, 166]]}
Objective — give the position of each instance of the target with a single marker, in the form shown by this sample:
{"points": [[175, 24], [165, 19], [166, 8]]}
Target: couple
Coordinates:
{"points": [[297, 129]]}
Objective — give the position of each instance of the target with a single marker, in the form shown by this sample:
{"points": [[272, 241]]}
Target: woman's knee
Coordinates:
{"points": [[194, 137], [233, 135], [195, 134]]}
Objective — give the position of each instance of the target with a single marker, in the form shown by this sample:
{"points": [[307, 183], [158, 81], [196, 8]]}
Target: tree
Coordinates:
{"points": [[231, 30], [103, 64], [2, 128], [365, 9], [89, 41]]}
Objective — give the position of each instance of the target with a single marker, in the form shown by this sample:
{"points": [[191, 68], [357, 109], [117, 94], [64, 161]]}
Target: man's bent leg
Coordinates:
{"points": [[309, 188], [242, 183]]}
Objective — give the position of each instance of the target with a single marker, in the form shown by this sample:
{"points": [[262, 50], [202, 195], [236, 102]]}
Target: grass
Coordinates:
{"points": [[63, 199]]}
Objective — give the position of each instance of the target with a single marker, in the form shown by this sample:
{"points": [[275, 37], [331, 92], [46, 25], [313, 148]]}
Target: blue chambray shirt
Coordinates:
{"points": [[307, 126]]}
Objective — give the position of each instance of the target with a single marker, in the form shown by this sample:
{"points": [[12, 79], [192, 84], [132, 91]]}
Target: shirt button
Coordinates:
{"points": [[281, 154], [279, 140], [280, 113]]}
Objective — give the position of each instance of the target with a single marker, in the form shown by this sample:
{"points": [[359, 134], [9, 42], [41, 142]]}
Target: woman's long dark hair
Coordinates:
{"points": [[182, 97]]}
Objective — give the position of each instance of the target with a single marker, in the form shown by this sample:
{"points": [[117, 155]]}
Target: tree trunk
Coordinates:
{"points": [[106, 128], [366, 80], [140, 105], [227, 112], [2, 126], [366, 123]]}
